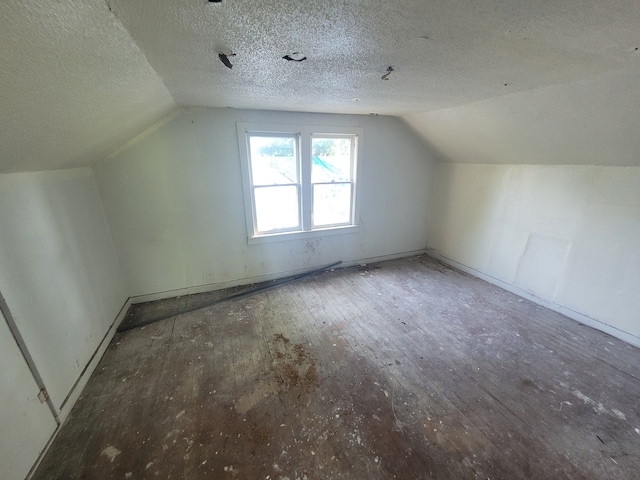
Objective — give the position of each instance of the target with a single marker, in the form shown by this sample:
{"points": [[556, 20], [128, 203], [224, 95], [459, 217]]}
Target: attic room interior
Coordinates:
{"points": [[300, 240]]}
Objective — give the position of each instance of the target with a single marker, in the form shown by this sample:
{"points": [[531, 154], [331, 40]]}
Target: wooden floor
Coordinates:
{"points": [[406, 370]]}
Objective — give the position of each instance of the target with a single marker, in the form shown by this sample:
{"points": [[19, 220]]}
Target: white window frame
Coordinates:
{"points": [[304, 134]]}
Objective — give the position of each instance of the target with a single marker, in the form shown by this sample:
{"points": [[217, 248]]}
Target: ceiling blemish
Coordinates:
{"points": [[87, 76], [386, 75], [295, 57], [450, 54], [224, 58]]}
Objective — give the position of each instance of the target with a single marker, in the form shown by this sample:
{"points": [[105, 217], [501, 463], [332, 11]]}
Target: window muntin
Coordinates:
{"points": [[298, 180]]}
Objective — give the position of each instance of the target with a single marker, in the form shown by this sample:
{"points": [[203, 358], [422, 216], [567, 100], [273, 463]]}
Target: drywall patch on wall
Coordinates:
{"points": [[510, 287], [568, 234], [547, 200], [542, 264]]}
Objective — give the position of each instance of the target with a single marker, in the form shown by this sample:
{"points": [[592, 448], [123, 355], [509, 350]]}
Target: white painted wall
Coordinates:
{"points": [[59, 272], [174, 201], [568, 235], [25, 423]]}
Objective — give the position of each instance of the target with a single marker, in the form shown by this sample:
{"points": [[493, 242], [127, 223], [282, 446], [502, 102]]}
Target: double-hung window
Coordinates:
{"points": [[298, 180]]}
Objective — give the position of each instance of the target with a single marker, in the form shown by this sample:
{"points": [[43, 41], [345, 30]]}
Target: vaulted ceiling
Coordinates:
{"points": [[512, 81]]}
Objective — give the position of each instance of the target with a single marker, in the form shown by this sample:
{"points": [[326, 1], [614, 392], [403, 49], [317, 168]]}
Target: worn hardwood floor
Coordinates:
{"points": [[407, 370]]}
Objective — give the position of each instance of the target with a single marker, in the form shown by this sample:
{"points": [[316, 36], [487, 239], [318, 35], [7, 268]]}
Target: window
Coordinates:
{"points": [[275, 182], [298, 180]]}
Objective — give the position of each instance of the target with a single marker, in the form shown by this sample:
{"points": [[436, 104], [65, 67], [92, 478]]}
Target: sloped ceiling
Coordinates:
{"points": [[590, 122], [73, 84], [510, 81]]}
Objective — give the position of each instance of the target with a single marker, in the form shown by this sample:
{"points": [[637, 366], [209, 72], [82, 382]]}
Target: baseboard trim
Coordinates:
{"points": [[91, 365], [567, 312], [81, 382], [150, 297], [43, 453]]}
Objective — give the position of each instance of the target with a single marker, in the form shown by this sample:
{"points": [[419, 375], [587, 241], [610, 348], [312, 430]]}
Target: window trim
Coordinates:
{"points": [[304, 134]]}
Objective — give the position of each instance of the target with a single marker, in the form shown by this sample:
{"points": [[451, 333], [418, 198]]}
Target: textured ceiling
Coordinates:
{"points": [[73, 84], [78, 79], [444, 53]]}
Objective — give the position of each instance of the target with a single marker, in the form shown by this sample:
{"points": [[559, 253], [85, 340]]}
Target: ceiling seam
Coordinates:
{"points": [[115, 16], [578, 81]]}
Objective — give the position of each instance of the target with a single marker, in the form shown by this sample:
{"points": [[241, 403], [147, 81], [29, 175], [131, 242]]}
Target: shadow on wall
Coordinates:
{"points": [[57, 273], [465, 208]]}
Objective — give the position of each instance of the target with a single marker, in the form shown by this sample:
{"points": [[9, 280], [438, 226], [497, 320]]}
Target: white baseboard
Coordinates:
{"points": [[88, 370], [261, 278], [383, 258], [81, 382], [567, 312]]}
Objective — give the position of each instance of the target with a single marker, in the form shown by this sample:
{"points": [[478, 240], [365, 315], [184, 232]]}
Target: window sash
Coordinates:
{"points": [[351, 171], [258, 206], [352, 150], [296, 157], [349, 221]]}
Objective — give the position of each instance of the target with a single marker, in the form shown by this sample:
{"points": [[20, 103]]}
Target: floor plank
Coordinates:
{"points": [[406, 369]]}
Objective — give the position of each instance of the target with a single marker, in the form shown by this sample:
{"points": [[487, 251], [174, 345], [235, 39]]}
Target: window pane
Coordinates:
{"points": [[276, 208], [273, 160], [331, 204], [331, 160]]}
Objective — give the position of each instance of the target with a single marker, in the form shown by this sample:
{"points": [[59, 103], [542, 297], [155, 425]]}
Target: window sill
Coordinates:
{"points": [[282, 237]]}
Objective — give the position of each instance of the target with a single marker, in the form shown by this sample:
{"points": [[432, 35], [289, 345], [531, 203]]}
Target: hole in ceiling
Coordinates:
{"points": [[224, 58], [386, 75], [295, 57], [215, 1]]}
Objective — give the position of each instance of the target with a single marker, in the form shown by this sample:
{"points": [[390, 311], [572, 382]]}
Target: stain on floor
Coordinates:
{"points": [[406, 370]]}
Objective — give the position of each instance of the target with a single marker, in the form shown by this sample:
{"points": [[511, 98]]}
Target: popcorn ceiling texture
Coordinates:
{"points": [[73, 84], [79, 79], [472, 49]]}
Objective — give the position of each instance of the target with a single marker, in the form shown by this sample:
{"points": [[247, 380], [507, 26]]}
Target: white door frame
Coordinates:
{"points": [[43, 396]]}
